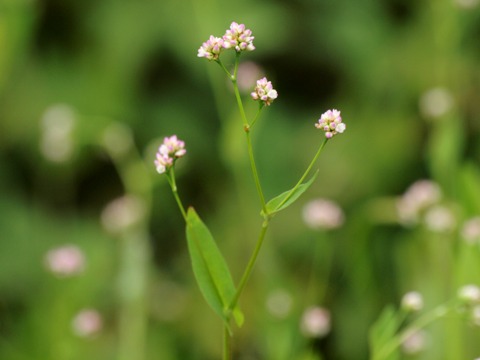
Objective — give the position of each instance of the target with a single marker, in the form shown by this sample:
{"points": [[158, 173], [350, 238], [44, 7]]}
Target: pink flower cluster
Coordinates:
{"points": [[171, 149], [64, 261], [237, 37], [211, 48], [331, 123], [264, 92]]}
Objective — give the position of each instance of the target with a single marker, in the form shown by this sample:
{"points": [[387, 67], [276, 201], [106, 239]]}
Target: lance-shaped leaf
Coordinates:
{"points": [[287, 198], [210, 269]]}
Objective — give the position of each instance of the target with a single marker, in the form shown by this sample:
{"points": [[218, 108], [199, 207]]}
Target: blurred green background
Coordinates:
{"points": [[88, 89]]}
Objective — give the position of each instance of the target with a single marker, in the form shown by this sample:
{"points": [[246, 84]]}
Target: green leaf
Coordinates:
{"points": [[287, 198], [383, 331], [210, 269]]}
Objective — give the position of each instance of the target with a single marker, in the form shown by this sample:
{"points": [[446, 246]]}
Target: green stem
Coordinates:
{"points": [[171, 180], [237, 92], [226, 344], [417, 325], [305, 174], [247, 133], [230, 76], [249, 268], [256, 116], [255, 173]]}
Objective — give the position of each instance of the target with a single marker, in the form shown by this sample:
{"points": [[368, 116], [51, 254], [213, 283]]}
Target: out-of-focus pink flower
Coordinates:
{"points": [[239, 38], [323, 214], [415, 343], [471, 230], [264, 92], [65, 261], [87, 322], [439, 219], [331, 123], [122, 213], [315, 322], [248, 73], [417, 198]]}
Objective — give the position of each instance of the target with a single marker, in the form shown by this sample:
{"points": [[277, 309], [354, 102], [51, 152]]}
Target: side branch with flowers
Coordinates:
{"points": [[209, 266]]}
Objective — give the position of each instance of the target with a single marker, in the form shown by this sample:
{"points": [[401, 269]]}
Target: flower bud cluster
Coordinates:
{"points": [[331, 123], [237, 37], [211, 48], [264, 92], [171, 149]]}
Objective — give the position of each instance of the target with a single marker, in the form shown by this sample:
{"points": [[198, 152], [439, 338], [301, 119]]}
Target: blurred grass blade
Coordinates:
{"points": [[210, 269], [278, 203], [382, 332]]}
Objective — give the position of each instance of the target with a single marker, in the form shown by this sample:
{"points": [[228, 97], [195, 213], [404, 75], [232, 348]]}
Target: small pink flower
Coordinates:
{"points": [[171, 149], [239, 38], [315, 322], [211, 48], [331, 123], [323, 214], [87, 323], [65, 261], [264, 92]]}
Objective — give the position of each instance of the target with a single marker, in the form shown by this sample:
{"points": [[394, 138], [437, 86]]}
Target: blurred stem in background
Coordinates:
{"points": [[445, 149], [134, 261]]}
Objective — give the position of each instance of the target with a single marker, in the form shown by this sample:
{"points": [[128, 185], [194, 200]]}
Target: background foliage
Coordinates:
{"points": [[135, 63]]}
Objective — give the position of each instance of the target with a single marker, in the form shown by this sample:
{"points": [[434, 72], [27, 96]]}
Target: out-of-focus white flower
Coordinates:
{"points": [[436, 102], [419, 196], [471, 230], [469, 294], [331, 123], [439, 219], [315, 322], [57, 125], [87, 323], [415, 343], [412, 301], [117, 138], [122, 213], [467, 4], [323, 214], [279, 303], [476, 315], [65, 261]]}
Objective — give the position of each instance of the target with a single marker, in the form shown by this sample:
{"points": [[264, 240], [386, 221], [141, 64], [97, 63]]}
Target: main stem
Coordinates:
{"points": [[250, 265], [227, 355], [246, 127]]}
